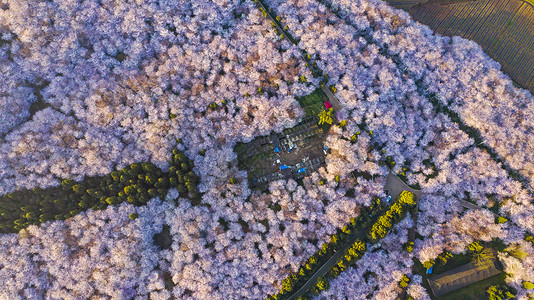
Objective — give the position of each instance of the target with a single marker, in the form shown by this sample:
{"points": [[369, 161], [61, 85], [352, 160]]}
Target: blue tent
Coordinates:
{"points": [[282, 167], [429, 271], [276, 150], [301, 170]]}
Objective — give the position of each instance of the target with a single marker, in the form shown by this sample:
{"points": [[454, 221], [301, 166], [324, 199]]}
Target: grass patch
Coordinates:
{"points": [[454, 262], [314, 109], [316, 97], [476, 290]]}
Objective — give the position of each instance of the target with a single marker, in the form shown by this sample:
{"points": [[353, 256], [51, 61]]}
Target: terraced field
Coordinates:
{"points": [[504, 29]]}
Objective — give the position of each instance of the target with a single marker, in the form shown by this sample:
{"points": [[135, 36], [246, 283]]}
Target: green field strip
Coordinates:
{"points": [[467, 17], [530, 43], [497, 40], [512, 54], [453, 28], [493, 20], [428, 13], [530, 83], [508, 27], [509, 44], [490, 36], [515, 66], [472, 19], [482, 25], [499, 54], [497, 15], [519, 63], [404, 5], [484, 14], [512, 27], [503, 54], [436, 16], [448, 20], [446, 17], [530, 59], [530, 78], [510, 10], [527, 30], [511, 57], [482, 36], [418, 10], [504, 17], [523, 69], [523, 22], [454, 19]]}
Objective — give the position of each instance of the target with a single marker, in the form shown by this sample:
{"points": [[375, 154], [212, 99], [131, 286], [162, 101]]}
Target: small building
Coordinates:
{"points": [[460, 277], [327, 105]]}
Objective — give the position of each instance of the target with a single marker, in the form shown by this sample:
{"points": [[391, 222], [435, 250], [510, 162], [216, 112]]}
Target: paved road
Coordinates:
{"points": [[321, 272], [470, 205], [336, 104], [396, 186], [333, 100]]}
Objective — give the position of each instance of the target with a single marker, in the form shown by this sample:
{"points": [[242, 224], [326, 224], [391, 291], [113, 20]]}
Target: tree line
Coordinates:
{"points": [[135, 184], [375, 224]]}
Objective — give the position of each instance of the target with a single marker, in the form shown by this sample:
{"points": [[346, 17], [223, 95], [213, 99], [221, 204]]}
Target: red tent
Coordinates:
{"points": [[327, 105]]}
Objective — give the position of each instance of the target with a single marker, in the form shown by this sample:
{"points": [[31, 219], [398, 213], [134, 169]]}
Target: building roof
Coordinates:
{"points": [[327, 105], [460, 277]]}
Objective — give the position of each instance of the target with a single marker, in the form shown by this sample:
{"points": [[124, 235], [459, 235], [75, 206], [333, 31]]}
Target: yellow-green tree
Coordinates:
{"points": [[484, 257], [326, 116]]}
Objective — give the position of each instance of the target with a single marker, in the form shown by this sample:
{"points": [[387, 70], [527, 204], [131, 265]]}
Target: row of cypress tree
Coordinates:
{"points": [[135, 184]]}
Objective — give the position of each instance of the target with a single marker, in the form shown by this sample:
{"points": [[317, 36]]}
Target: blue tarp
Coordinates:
{"points": [[301, 170], [276, 150], [282, 167], [429, 271], [289, 149], [325, 148]]}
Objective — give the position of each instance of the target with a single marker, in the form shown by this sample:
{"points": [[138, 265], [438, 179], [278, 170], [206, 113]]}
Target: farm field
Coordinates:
{"points": [[405, 4], [504, 29]]}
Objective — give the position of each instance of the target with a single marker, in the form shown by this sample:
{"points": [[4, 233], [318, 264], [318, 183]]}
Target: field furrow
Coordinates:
{"points": [[467, 18], [433, 20], [490, 12], [482, 15], [503, 28], [454, 21]]}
